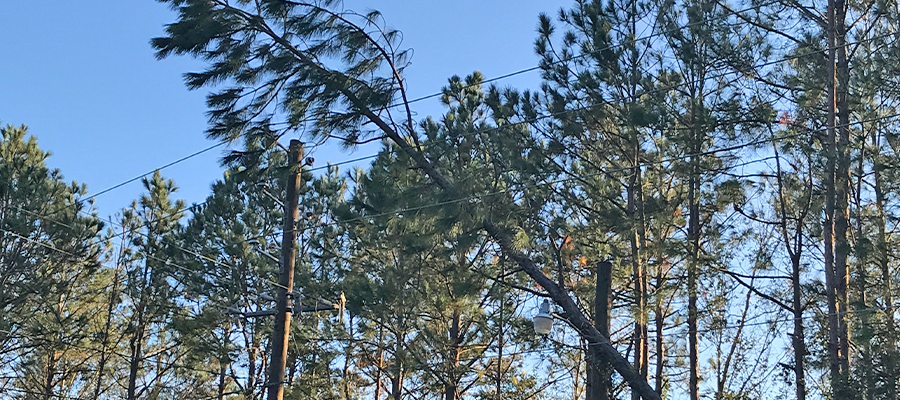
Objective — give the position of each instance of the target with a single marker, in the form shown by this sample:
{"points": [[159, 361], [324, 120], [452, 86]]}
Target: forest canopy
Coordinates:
{"points": [[705, 193]]}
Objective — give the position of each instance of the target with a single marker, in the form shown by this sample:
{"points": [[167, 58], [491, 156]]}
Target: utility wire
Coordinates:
{"points": [[731, 148], [581, 177], [180, 160], [658, 90], [495, 193], [579, 56], [519, 72], [588, 107], [437, 94], [655, 90], [480, 196]]}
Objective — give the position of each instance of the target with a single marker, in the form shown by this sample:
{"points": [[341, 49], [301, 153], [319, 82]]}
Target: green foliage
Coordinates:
{"points": [[318, 64], [49, 280], [669, 137]]}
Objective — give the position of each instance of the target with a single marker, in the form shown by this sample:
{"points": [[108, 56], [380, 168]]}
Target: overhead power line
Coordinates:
{"points": [[607, 171], [464, 199], [484, 131], [600, 50], [644, 38], [528, 121], [475, 197], [178, 161]]}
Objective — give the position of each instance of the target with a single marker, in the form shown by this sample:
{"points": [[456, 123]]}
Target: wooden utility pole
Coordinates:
{"points": [[599, 382], [285, 288]]}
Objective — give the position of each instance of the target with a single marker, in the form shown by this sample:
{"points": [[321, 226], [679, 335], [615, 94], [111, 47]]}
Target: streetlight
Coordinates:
{"points": [[257, 246], [543, 321]]}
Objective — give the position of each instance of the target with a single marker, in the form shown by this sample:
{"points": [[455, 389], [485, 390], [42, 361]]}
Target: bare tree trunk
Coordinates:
{"points": [[798, 340], [500, 344], [380, 363], [834, 362], [842, 185], [222, 374], [51, 372], [883, 253], [136, 357], [249, 391], [861, 282], [636, 211], [636, 217], [346, 370], [397, 380], [451, 387], [795, 250], [660, 349], [107, 328], [599, 379], [693, 271], [837, 199]]}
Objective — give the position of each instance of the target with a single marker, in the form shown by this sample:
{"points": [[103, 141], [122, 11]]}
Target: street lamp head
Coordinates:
{"points": [[543, 321], [266, 297]]}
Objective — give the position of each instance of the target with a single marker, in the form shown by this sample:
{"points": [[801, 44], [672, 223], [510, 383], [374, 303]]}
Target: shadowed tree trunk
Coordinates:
{"points": [[599, 380]]}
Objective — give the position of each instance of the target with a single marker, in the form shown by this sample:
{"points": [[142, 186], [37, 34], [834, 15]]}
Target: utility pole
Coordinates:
{"points": [[285, 288]]}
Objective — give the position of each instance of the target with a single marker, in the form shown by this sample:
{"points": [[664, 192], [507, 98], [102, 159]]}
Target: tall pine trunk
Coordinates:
{"points": [[798, 340], [380, 357], [795, 250], [599, 382], [136, 345], [113, 301], [137, 338], [883, 255], [634, 207], [397, 379], [837, 199], [693, 269], [842, 183], [451, 388]]}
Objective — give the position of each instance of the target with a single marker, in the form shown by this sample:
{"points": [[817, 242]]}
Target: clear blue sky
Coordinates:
{"points": [[84, 79]]}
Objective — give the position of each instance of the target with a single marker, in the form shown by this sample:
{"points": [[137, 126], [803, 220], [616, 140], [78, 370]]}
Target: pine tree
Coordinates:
{"points": [[148, 290], [49, 280], [349, 99]]}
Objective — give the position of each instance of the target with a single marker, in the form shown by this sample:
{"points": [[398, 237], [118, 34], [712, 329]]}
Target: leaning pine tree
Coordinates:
{"points": [[272, 51]]}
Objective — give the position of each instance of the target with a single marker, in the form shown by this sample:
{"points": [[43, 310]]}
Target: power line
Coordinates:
{"points": [[39, 243], [649, 92], [433, 95], [417, 208], [579, 56], [655, 90], [51, 247], [180, 160], [216, 262], [522, 71], [470, 197], [709, 152], [607, 171], [480, 196]]}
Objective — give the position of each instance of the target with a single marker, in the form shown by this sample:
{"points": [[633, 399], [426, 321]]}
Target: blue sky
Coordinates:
{"points": [[84, 79]]}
